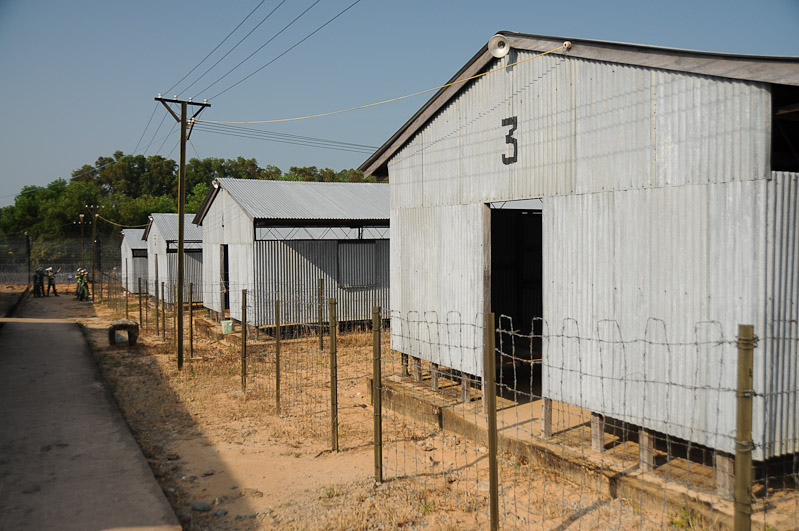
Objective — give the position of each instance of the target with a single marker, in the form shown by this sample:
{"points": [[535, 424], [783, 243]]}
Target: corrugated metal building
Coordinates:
{"points": [[667, 182], [161, 236], [133, 251], [276, 239]]}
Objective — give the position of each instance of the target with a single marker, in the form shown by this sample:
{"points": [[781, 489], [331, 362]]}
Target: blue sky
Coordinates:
{"points": [[79, 78]]}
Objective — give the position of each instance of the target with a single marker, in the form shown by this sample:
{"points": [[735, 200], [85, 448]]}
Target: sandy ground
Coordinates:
{"points": [[208, 442]]}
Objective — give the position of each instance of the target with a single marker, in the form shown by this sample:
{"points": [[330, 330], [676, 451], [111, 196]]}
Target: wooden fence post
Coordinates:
{"points": [[333, 378], [377, 398], [490, 396], [191, 320], [141, 323], [277, 356], [244, 340], [743, 429]]}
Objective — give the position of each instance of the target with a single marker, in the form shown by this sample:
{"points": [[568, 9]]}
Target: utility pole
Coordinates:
{"points": [[94, 210], [185, 132], [28, 250], [81, 223]]}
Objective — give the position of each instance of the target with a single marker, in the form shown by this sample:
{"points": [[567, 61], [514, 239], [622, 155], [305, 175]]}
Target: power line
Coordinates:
{"points": [[171, 130], [156, 132], [145, 128], [234, 47], [307, 144], [287, 26], [458, 82], [287, 51], [216, 48], [271, 136]]}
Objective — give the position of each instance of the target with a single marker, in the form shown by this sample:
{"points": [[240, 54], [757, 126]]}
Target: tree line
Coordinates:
{"points": [[130, 187]]}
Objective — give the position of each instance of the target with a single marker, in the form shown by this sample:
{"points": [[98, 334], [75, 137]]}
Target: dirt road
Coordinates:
{"points": [[67, 458]]}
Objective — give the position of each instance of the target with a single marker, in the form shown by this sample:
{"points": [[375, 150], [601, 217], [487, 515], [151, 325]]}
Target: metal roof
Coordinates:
{"points": [[296, 201], [134, 238], [777, 70], [167, 225]]}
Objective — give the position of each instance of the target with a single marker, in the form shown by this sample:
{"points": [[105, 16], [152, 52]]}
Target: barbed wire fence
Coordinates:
{"points": [[558, 461], [576, 436], [64, 255]]}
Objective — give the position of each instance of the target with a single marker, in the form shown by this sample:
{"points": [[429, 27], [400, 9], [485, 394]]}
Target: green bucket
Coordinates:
{"points": [[227, 327]]}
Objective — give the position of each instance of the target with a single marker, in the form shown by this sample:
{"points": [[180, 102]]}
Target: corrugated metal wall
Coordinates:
{"points": [[157, 268], [290, 271], [657, 211], [132, 270], [779, 423], [192, 274], [227, 224]]}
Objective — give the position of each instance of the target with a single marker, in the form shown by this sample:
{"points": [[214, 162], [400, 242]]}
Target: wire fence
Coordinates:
{"points": [[64, 255], [511, 448]]}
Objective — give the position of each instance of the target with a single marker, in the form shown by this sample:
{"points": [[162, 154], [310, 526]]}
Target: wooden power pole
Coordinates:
{"points": [[94, 210], [185, 132]]}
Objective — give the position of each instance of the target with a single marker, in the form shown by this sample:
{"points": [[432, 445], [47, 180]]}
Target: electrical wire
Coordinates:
{"points": [[285, 52], [120, 225], [234, 47], [217, 47], [172, 130], [320, 115], [156, 131], [287, 26], [146, 127], [270, 136]]}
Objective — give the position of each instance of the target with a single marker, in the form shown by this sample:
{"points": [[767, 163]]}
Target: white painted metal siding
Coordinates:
{"points": [[661, 222], [192, 274], [779, 346], [226, 224], [436, 274], [584, 126], [290, 271]]}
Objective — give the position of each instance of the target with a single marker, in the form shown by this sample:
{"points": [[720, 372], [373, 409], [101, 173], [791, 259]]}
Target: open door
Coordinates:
{"points": [[224, 271], [517, 292]]}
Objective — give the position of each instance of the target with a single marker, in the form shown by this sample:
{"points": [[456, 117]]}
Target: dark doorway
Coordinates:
{"points": [[224, 270], [516, 282]]}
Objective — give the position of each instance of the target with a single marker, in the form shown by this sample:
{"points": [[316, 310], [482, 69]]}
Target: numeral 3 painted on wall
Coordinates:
{"points": [[509, 139]]}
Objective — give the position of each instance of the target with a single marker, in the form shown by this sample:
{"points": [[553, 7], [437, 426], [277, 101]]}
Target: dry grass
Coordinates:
{"points": [[433, 479]]}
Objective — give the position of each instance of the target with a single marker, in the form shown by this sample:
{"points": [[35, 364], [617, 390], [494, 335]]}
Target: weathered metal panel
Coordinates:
{"points": [[657, 202], [584, 126], [290, 271], [777, 427], [192, 274], [133, 267], [437, 278], [167, 225], [308, 200]]}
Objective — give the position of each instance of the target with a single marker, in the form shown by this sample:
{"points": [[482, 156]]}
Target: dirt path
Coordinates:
{"points": [[67, 458]]}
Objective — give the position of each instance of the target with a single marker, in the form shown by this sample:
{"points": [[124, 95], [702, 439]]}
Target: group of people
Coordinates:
{"points": [[38, 282], [82, 284]]}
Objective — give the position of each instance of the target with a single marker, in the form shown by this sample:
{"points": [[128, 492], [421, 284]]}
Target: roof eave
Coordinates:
{"points": [[206, 204]]}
